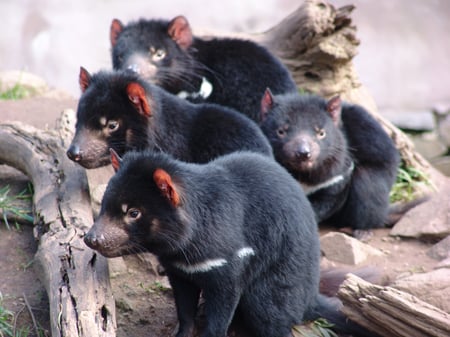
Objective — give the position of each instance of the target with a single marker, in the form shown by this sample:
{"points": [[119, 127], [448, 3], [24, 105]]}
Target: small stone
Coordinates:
{"points": [[117, 267], [432, 287], [444, 263], [345, 249], [123, 305], [441, 113], [429, 219], [442, 164], [428, 144], [440, 250]]}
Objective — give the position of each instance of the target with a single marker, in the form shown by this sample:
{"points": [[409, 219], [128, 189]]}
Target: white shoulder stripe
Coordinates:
{"points": [[201, 267], [246, 251], [310, 189], [208, 265]]}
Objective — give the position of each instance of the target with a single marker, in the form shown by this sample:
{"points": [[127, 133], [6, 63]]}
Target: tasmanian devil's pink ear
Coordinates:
{"points": [[180, 31], [116, 161], [165, 184], [84, 79], [114, 31], [136, 94], [266, 104], [334, 107]]}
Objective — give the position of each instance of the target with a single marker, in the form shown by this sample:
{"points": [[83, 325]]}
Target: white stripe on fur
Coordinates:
{"points": [[246, 251], [201, 267]]}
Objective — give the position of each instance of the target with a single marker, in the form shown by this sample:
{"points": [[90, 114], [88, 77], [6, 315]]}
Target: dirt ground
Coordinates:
{"points": [[143, 301]]}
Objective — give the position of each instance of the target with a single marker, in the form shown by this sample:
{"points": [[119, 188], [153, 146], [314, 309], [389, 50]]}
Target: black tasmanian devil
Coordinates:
{"points": [[239, 229], [119, 110], [230, 72], [341, 155]]}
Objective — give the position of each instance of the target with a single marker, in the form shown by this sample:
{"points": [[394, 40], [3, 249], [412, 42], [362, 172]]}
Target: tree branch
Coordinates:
{"points": [[75, 277]]}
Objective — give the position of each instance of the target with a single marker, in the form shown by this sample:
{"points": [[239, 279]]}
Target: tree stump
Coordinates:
{"points": [[75, 277]]}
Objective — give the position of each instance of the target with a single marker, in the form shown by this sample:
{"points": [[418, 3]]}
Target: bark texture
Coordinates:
{"points": [[391, 312], [75, 277]]}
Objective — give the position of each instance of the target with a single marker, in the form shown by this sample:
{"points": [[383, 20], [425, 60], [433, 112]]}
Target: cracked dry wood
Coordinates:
{"points": [[76, 278], [391, 312]]}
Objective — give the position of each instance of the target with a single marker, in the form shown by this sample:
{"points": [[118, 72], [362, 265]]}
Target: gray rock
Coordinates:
{"points": [[342, 248], [441, 113], [441, 250], [421, 120], [430, 219], [432, 287], [123, 304], [442, 164], [444, 263], [428, 144], [117, 267]]}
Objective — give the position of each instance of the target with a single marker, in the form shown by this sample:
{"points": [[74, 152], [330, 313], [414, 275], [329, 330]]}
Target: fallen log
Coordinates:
{"points": [[75, 277], [391, 312]]}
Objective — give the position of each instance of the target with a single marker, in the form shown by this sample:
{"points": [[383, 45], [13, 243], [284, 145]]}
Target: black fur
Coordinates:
{"points": [[238, 229], [121, 111], [238, 70], [317, 140]]}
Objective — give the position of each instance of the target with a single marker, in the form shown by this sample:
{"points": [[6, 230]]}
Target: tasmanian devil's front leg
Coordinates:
{"points": [[186, 296], [220, 305]]}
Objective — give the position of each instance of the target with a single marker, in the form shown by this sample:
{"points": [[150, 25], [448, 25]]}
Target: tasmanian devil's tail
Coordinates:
{"points": [[332, 278], [397, 210], [329, 308]]}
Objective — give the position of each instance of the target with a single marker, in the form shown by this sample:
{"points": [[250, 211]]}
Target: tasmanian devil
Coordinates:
{"points": [[342, 157], [230, 72], [239, 229], [119, 110]]}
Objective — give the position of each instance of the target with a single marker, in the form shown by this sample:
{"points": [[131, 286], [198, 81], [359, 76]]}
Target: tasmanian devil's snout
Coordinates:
{"points": [[303, 150], [74, 153], [92, 240]]}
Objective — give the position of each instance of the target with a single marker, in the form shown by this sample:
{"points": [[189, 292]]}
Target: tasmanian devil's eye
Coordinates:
{"points": [[134, 213], [112, 125], [281, 132], [159, 54], [321, 133]]}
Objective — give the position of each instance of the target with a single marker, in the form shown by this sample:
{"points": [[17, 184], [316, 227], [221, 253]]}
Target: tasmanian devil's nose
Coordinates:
{"points": [[74, 153], [303, 151], [92, 240]]}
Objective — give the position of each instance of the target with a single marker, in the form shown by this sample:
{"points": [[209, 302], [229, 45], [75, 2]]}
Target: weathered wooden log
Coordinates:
{"points": [[75, 277], [317, 43], [391, 312]]}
